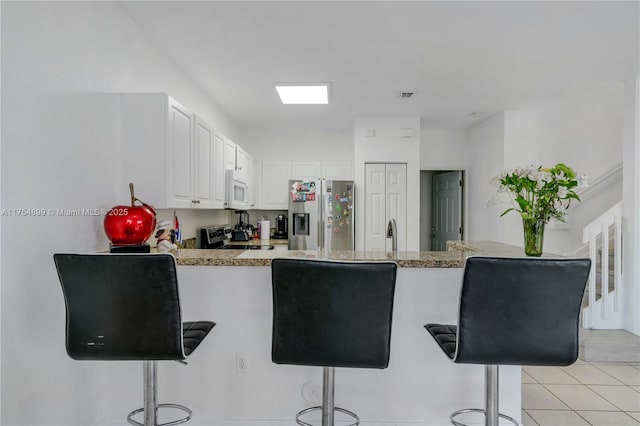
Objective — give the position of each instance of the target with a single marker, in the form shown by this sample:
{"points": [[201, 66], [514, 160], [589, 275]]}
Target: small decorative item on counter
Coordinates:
{"points": [[539, 194], [130, 225], [177, 235], [163, 235]]}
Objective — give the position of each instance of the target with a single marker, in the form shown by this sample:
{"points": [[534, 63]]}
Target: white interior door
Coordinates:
{"points": [[447, 209], [396, 202], [375, 208]]}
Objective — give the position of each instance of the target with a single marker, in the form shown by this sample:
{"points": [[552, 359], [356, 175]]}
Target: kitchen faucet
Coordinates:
{"points": [[392, 232]]}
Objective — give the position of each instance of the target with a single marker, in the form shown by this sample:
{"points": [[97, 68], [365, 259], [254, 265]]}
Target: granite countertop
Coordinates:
{"points": [[453, 258]]}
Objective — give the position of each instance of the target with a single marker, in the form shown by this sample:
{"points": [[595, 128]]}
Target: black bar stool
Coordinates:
{"points": [[332, 314], [514, 312], [127, 307]]}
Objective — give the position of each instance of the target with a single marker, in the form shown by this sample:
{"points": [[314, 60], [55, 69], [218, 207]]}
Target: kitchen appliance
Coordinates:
{"points": [[218, 236], [240, 232], [214, 236], [321, 215], [281, 228], [236, 192]]}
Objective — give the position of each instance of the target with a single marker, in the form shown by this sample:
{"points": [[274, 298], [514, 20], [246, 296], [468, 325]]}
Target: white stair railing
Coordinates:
{"points": [[604, 312]]}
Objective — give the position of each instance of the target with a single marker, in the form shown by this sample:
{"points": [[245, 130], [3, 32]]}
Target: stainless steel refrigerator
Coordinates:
{"points": [[321, 215]]}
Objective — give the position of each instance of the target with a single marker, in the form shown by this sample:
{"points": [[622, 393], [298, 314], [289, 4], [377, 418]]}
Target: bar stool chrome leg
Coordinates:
{"points": [[491, 395], [328, 407], [150, 409]]}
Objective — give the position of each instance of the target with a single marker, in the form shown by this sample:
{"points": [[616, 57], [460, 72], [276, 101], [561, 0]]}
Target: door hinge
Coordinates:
{"points": [[460, 230], [461, 182]]}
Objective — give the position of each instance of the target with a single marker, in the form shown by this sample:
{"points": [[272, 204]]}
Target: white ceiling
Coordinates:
{"points": [[459, 56]]}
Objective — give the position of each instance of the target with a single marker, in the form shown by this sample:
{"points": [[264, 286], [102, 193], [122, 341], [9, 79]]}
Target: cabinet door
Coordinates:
{"points": [[218, 172], [306, 170], [229, 155], [204, 165], [337, 170], [275, 182], [255, 188], [179, 158], [243, 164], [375, 222]]}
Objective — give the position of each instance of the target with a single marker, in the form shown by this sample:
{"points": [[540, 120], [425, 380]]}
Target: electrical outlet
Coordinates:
{"points": [[242, 363]]}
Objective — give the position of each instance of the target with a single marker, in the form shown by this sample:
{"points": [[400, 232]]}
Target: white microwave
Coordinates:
{"points": [[237, 191]]}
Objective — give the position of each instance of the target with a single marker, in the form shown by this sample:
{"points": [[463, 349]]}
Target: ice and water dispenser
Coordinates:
{"points": [[301, 224]]}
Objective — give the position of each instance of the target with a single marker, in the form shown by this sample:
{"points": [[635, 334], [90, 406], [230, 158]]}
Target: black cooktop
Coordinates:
{"points": [[246, 247]]}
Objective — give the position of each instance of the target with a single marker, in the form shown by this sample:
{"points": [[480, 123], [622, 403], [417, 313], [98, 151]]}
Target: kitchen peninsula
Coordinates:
{"points": [[453, 258], [420, 386]]}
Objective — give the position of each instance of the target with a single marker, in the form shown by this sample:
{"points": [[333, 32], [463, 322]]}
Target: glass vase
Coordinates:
{"points": [[533, 236]]}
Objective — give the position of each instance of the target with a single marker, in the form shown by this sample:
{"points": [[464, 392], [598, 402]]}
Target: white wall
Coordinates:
{"points": [[581, 127], [59, 150], [294, 145], [486, 154], [444, 149], [387, 146]]}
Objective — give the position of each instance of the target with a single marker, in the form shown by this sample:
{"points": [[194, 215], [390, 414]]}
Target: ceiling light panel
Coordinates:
{"points": [[303, 94]]}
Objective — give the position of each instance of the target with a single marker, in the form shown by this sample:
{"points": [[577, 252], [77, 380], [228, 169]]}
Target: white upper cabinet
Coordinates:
{"points": [[275, 180], [180, 161], [337, 170], [255, 186], [158, 149], [229, 154], [243, 164], [218, 172], [204, 165], [306, 170], [174, 158]]}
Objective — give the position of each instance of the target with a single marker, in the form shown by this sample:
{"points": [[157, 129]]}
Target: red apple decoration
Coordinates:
{"points": [[130, 225]]}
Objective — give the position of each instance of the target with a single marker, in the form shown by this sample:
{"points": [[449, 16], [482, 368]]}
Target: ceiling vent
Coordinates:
{"points": [[405, 95]]}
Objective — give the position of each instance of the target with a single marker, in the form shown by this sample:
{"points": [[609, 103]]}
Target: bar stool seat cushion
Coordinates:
{"points": [[445, 335], [193, 333]]}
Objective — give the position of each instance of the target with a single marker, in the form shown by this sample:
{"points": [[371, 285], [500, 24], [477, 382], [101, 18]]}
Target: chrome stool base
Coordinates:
{"points": [[477, 410], [174, 422], [151, 406], [328, 407], [341, 410]]}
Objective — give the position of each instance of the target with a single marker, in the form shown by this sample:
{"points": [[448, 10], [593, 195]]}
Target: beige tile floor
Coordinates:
{"points": [[586, 393]]}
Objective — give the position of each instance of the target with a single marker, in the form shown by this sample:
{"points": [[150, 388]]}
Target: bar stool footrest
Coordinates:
{"points": [[338, 409], [172, 423], [477, 410]]}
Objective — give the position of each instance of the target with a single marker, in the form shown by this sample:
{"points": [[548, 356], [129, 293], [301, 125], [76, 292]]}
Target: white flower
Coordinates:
{"points": [[562, 192], [582, 181]]}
